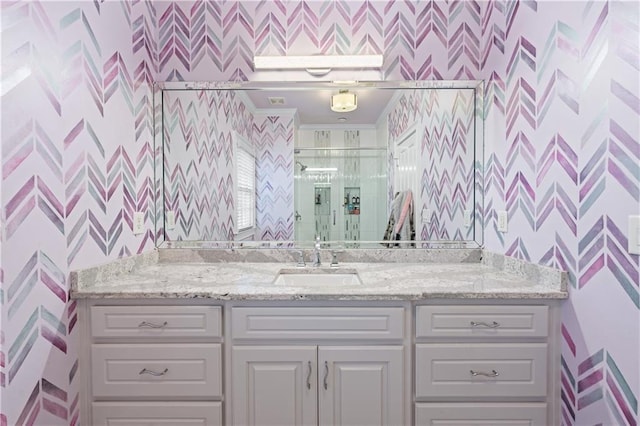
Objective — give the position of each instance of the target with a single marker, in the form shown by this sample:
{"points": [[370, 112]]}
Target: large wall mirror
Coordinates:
{"points": [[358, 164]]}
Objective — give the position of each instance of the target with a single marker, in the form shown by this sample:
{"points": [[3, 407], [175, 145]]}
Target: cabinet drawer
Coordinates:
{"points": [[318, 323], [465, 370], [156, 321], [481, 414], [164, 371], [482, 321], [157, 413]]}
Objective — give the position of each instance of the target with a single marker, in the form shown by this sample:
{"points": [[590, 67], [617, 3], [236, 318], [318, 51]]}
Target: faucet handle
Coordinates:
{"points": [[300, 254], [334, 257]]}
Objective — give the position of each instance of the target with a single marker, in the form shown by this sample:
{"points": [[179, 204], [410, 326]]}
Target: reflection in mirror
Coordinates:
{"points": [[337, 190], [401, 168]]}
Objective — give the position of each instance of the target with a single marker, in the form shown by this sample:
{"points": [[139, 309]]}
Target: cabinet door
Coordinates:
{"points": [[361, 385], [274, 385]]}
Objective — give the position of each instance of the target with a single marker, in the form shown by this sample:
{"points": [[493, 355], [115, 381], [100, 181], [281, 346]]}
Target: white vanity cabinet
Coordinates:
{"points": [[153, 365], [396, 363], [485, 365], [354, 374]]}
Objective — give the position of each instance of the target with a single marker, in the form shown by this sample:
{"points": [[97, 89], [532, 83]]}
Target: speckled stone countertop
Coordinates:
{"points": [[216, 275]]}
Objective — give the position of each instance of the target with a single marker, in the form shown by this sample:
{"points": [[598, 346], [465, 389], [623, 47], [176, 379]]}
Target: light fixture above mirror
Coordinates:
{"points": [[344, 101]]}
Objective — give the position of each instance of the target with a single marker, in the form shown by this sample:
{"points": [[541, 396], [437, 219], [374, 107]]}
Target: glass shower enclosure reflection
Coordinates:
{"points": [[340, 194]]}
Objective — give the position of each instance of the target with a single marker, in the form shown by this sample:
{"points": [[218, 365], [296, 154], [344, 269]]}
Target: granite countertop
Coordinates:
{"points": [[154, 276]]}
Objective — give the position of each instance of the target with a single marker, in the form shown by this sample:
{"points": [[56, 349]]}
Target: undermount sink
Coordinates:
{"points": [[302, 277]]}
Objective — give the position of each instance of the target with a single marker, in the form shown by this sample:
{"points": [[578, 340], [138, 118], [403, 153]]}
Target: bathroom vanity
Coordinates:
{"points": [[177, 337]]}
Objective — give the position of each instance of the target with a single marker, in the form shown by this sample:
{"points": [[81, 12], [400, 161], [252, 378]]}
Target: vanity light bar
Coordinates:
{"points": [[316, 62]]}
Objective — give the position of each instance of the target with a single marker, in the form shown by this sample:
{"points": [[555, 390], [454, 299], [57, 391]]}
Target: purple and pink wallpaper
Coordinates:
{"points": [[201, 128], [273, 140], [444, 123], [563, 159], [562, 154], [77, 162]]}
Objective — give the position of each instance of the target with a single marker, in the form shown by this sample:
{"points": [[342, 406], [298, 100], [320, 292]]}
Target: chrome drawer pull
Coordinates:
{"points": [[309, 377], [325, 381], [145, 324], [153, 373], [493, 373], [484, 324]]}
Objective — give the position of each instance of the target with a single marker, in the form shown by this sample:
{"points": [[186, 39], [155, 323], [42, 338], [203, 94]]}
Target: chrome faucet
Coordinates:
{"points": [[300, 263], [316, 252], [334, 259]]}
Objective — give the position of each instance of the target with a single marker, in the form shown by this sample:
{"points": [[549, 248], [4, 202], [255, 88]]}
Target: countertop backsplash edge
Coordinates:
{"points": [[525, 269], [114, 269]]}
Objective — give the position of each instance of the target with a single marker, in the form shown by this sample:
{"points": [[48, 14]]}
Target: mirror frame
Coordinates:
{"points": [[479, 156]]}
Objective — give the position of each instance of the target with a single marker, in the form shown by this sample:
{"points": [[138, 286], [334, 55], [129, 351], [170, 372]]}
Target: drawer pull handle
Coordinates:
{"points": [[153, 373], [493, 373], [145, 324], [484, 324], [309, 376], [325, 381]]}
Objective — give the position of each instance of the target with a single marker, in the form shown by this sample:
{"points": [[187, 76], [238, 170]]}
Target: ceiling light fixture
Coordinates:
{"points": [[317, 62], [344, 101]]}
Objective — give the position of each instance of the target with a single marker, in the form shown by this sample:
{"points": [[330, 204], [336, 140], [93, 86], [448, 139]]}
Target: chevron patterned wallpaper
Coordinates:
{"points": [[199, 132], [562, 154], [563, 158], [273, 139], [443, 121], [77, 161], [199, 128]]}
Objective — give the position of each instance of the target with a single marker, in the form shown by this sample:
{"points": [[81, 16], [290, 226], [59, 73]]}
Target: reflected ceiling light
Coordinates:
{"points": [[317, 62], [344, 101]]}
